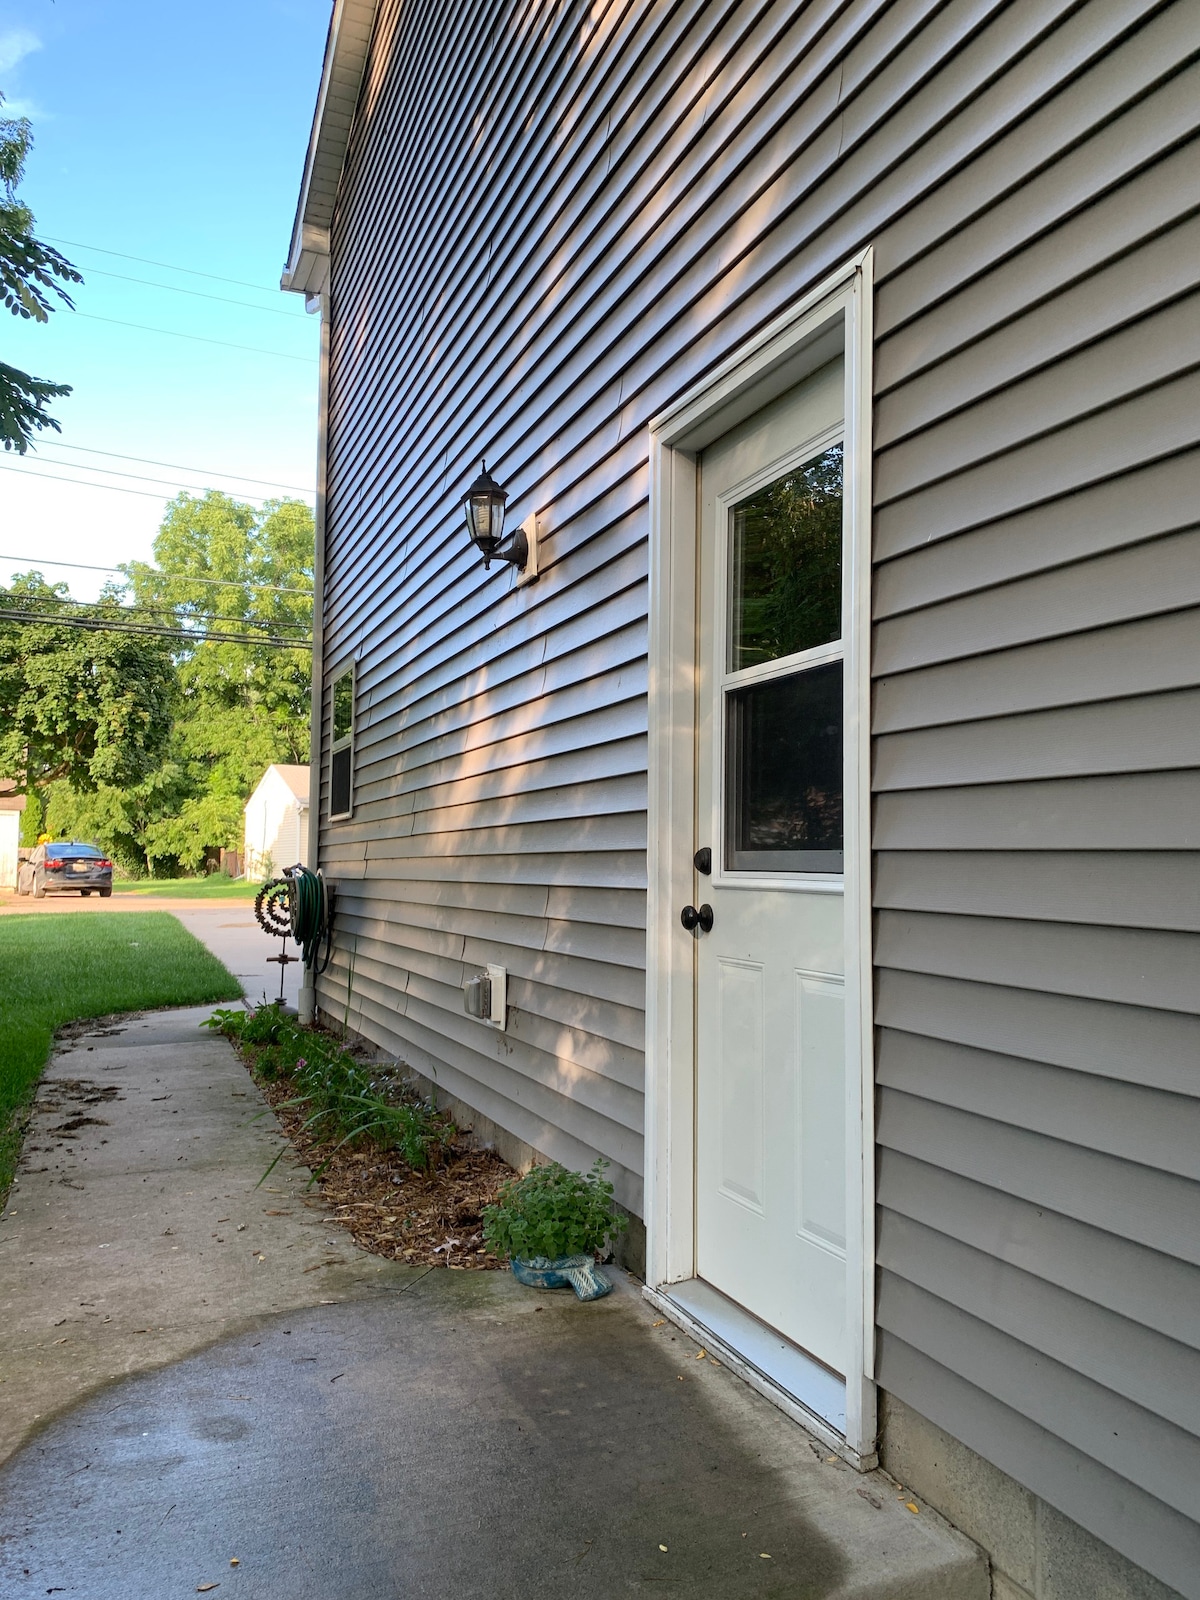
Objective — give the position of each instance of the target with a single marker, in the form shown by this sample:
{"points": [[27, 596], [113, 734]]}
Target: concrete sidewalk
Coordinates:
{"points": [[135, 1233], [197, 1371]]}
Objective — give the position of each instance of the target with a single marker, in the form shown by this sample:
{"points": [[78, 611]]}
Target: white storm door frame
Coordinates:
{"points": [[835, 318]]}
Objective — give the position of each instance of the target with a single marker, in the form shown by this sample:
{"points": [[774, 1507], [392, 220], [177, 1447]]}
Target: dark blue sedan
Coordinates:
{"points": [[59, 868]]}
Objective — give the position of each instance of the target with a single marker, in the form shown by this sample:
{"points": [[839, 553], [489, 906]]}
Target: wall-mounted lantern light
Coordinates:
{"points": [[483, 505]]}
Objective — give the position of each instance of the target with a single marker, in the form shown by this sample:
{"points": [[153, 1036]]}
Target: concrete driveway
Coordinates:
{"points": [[226, 927], [206, 1387]]}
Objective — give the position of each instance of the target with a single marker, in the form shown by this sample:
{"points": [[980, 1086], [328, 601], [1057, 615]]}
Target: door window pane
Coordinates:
{"points": [[785, 574], [783, 774]]}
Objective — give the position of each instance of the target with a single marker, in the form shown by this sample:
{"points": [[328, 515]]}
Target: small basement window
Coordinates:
{"points": [[341, 757]]}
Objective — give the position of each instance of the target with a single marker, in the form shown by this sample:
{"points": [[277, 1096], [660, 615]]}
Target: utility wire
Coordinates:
{"points": [[82, 483], [148, 461], [116, 472], [111, 488], [195, 338], [161, 608], [138, 477], [178, 577], [170, 266], [199, 294], [179, 634]]}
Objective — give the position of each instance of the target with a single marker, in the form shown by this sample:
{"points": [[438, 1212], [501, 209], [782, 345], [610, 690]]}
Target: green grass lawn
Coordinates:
{"points": [[216, 887], [62, 969]]}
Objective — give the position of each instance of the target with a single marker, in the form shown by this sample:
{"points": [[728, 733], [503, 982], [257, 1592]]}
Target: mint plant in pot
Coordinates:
{"points": [[551, 1224]]}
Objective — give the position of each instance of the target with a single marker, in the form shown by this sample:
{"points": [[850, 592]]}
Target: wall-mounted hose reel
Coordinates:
{"points": [[299, 905], [311, 903]]}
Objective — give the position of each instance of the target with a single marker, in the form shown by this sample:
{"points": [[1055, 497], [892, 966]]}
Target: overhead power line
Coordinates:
{"points": [[169, 266], [149, 461], [93, 625], [178, 577], [159, 609], [199, 294], [195, 338], [138, 477], [82, 483], [111, 488]]}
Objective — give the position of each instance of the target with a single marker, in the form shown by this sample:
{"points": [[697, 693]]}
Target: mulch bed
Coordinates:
{"points": [[423, 1218]]}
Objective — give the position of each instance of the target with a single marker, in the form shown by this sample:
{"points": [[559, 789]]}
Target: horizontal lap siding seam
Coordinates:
{"points": [[657, 400], [928, 148]]}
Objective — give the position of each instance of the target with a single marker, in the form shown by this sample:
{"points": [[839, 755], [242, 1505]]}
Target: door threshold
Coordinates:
{"points": [[807, 1391]]}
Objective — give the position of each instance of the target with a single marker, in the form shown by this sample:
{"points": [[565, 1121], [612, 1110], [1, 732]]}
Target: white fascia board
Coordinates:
{"points": [[346, 49]]}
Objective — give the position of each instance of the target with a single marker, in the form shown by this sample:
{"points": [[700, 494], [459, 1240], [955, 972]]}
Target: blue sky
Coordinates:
{"points": [[175, 134]]}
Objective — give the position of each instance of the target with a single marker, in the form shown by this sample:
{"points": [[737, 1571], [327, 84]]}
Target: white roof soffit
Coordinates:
{"points": [[307, 270]]}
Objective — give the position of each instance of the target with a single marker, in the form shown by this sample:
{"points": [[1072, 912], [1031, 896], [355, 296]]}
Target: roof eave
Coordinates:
{"points": [[346, 49]]}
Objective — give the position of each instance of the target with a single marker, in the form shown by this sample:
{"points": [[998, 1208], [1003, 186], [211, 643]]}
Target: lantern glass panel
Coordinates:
{"points": [[489, 517]]}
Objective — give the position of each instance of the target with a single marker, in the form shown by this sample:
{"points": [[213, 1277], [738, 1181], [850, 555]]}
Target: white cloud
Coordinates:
{"points": [[15, 45]]}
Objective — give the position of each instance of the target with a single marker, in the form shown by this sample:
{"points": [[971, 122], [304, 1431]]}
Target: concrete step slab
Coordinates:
{"points": [[178, 1394]]}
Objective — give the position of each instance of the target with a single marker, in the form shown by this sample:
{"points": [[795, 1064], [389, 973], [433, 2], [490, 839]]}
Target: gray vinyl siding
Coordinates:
{"points": [[554, 221]]}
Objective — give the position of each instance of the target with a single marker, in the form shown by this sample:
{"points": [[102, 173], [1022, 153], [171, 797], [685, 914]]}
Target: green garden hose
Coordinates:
{"points": [[311, 904]]}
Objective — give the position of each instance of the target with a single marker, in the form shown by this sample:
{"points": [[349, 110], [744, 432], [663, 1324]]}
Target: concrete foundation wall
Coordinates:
{"points": [[1036, 1552]]}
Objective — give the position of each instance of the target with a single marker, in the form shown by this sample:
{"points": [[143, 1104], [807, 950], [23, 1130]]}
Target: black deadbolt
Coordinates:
{"points": [[693, 918], [702, 860]]}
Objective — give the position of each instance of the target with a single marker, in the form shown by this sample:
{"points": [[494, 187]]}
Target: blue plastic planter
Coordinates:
{"points": [[581, 1272]]}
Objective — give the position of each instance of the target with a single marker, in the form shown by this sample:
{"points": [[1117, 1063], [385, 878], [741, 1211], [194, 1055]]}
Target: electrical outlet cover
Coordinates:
{"points": [[498, 982]]}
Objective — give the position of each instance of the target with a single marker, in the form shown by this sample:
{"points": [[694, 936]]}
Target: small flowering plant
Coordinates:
{"points": [[552, 1213]]}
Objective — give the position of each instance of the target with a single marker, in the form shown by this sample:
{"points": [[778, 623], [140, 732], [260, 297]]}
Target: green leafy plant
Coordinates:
{"points": [[346, 1100], [31, 282], [553, 1212]]}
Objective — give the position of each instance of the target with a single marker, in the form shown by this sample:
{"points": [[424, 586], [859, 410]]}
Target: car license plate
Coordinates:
{"points": [[80, 866]]}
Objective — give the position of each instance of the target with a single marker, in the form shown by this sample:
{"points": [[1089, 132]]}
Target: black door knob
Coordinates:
{"points": [[693, 918], [702, 860]]}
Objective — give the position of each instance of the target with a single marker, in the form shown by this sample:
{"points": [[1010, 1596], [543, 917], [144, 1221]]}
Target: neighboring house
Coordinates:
{"points": [[277, 822], [843, 358], [11, 807]]}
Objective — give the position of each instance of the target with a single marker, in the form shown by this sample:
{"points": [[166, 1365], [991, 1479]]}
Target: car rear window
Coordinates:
{"points": [[68, 852]]}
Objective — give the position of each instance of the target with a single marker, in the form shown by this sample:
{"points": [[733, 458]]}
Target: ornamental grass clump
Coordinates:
{"points": [[346, 1100], [552, 1213]]}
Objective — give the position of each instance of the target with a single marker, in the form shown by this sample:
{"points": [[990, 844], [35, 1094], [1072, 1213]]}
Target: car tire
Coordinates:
{"points": [[19, 888], [83, 893], [39, 887], [104, 893]]}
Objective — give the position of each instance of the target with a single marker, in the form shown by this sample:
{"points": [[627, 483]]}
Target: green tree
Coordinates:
{"points": [[788, 563], [93, 708], [228, 708], [117, 819], [242, 705], [31, 281]]}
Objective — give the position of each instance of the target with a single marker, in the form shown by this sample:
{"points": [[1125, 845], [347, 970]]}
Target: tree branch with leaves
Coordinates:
{"points": [[91, 707], [32, 275]]}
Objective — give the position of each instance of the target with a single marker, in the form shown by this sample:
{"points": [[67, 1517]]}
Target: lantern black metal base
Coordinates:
{"points": [[515, 552]]}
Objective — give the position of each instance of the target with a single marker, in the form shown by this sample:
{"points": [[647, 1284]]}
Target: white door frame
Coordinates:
{"points": [[835, 318]]}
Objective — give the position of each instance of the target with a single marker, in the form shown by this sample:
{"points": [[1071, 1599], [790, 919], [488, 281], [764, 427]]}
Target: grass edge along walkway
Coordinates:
{"points": [[55, 970], [214, 887]]}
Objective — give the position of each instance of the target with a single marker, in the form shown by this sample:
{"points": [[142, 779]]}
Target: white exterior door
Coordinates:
{"points": [[770, 971]]}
